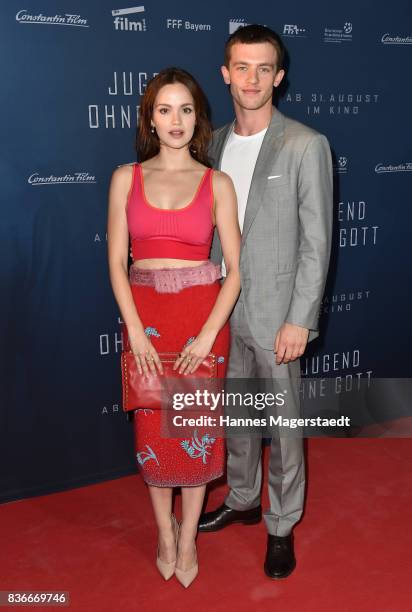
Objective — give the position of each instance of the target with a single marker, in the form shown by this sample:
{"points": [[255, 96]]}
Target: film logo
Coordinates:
{"points": [[123, 23]]}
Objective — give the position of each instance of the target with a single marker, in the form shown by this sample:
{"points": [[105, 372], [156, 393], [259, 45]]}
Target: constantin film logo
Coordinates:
{"points": [[388, 39], [77, 178], [338, 35], [123, 23], [403, 167], [67, 19]]}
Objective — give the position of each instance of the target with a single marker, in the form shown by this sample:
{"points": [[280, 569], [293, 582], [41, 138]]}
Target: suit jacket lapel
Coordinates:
{"points": [[220, 144], [272, 143]]}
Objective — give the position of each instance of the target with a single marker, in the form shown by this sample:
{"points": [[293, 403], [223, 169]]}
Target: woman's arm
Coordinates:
{"points": [[227, 224], [118, 244]]}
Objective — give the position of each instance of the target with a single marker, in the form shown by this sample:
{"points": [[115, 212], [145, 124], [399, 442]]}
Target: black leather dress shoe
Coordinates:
{"points": [[222, 516], [280, 559]]}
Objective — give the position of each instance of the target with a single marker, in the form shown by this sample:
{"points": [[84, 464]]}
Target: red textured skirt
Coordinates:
{"points": [[172, 320]]}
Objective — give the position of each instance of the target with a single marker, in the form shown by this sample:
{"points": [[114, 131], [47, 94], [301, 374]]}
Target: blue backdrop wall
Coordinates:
{"points": [[73, 74]]}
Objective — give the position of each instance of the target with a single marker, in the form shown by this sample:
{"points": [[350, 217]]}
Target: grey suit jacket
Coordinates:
{"points": [[287, 229]]}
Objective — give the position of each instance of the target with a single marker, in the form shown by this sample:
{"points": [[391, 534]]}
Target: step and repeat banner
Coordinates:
{"points": [[73, 74]]}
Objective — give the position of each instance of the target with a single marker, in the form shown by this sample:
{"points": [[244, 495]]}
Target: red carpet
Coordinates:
{"points": [[353, 545]]}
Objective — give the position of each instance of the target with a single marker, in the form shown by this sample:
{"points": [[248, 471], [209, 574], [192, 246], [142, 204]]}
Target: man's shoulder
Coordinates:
{"points": [[218, 138], [218, 132], [299, 132]]}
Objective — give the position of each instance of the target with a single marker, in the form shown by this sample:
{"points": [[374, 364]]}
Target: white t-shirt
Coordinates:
{"points": [[238, 161]]}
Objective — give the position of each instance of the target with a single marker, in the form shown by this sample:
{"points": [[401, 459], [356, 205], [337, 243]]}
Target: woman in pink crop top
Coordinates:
{"points": [[171, 299]]}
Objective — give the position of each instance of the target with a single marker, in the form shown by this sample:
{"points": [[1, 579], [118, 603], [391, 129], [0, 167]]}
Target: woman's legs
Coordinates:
{"points": [[192, 502], [162, 505]]}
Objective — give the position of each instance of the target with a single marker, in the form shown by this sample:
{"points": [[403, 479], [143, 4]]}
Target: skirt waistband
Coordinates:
{"points": [[173, 280]]}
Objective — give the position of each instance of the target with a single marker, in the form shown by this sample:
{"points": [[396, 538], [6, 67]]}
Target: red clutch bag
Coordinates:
{"points": [[147, 390]]}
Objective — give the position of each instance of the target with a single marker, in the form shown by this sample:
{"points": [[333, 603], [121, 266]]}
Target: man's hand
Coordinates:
{"points": [[290, 342]]}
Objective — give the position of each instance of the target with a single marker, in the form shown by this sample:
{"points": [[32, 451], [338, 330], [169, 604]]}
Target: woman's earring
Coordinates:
{"points": [[152, 129]]}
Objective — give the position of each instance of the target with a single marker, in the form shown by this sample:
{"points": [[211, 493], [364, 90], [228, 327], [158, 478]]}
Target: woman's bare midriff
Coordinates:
{"points": [[156, 264]]}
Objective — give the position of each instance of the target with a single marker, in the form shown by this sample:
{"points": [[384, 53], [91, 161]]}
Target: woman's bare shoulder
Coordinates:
{"points": [[122, 177], [221, 181]]}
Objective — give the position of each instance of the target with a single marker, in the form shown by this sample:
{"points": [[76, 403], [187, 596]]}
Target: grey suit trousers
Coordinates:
{"points": [[286, 479]]}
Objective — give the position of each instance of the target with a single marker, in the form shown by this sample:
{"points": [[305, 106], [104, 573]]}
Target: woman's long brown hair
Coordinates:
{"points": [[147, 143]]}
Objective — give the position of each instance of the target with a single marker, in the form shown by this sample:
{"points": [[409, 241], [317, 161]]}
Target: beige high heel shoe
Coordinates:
{"points": [[186, 577], [168, 569]]}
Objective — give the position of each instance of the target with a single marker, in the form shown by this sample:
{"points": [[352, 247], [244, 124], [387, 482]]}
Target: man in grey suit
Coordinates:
{"points": [[282, 173]]}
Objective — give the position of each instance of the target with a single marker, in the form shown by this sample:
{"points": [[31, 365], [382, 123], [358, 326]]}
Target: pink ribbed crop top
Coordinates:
{"points": [[185, 233]]}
